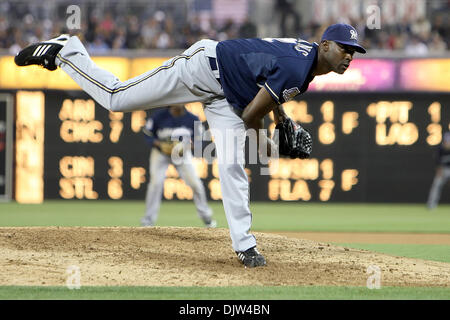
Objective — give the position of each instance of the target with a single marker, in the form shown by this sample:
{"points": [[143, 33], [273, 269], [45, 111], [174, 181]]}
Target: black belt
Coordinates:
{"points": [[213, 63], [214, 67]]}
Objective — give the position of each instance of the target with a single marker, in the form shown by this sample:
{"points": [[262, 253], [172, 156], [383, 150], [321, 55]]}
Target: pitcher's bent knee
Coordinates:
{"points": [[115, 105]]}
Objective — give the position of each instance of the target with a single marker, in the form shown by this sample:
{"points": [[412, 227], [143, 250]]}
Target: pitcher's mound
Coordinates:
{"points": [[169, 256]]}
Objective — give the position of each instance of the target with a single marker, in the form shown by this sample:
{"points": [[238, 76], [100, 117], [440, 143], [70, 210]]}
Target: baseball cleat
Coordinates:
{"points": [[211, 224], [251, 258], [146, 223], [42, 53]]}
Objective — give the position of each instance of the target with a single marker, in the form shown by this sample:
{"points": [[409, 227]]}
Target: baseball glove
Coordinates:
{"points": [[166, 147], [294, 141]]}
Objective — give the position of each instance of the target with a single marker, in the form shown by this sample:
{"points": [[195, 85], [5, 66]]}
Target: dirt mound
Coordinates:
{"points": [[169, 256]]}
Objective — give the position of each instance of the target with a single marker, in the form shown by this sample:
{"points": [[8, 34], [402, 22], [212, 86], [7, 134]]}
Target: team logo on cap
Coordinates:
{"points": [[353, 34]]}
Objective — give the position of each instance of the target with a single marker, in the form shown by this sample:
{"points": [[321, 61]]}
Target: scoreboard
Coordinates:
{"points": [[6, 146], [377, 147]]}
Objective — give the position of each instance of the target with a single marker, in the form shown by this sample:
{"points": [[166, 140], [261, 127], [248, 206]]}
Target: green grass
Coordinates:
{"points": [[224, 293], [419, 251], [266, 216]]}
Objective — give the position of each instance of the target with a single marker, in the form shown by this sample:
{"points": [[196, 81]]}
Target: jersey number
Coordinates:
{"points": [[302, 46]]}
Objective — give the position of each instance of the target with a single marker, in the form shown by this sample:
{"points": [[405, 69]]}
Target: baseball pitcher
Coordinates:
{"points": [[238, 81]]}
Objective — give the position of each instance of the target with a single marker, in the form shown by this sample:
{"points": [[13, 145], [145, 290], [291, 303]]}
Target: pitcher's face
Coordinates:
{"points": [[338, 56]]}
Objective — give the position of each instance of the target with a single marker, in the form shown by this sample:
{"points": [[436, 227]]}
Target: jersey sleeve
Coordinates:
{"points": [[285, 79]]}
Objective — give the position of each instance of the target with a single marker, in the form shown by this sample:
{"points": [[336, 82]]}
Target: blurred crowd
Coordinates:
{"points": [[105, 30], [421, 37]]}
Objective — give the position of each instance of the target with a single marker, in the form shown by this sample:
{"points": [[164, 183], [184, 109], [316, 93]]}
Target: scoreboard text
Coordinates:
{"points": [[376, 147]]}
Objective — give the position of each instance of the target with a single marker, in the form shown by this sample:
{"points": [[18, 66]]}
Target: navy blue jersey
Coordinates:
{"points": [[282, 66], [162, 125]]}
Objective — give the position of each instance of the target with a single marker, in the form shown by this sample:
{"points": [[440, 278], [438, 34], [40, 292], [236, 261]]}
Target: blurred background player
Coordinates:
{"points": [[442, 171], [169, 133]]}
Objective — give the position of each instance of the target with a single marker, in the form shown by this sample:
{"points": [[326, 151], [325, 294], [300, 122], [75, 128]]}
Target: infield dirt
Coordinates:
{"points": [[171, 256]]}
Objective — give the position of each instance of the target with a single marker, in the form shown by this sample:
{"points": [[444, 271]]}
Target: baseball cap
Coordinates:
{"points": [[345, 34]]}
